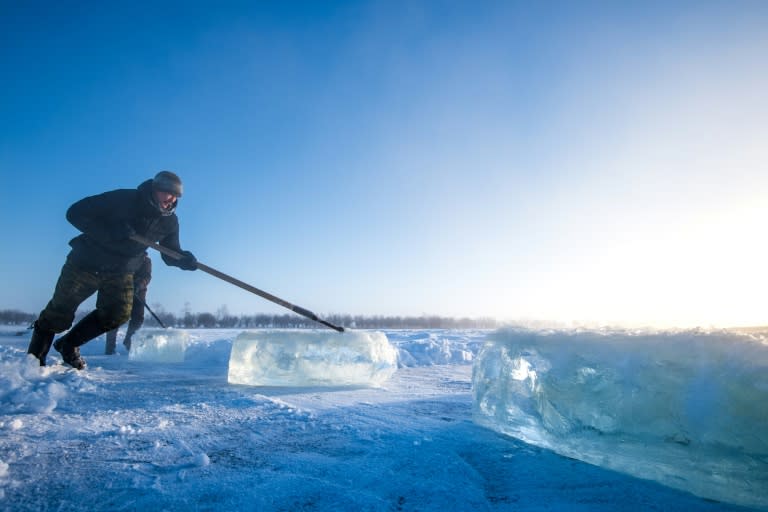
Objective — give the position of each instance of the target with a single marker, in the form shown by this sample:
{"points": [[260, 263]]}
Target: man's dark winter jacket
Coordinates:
{"points": [[108, 219]]}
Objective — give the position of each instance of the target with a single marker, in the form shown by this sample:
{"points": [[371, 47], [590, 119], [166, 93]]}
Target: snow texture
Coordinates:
{"points": [[146, 435], [686, 409], [311, 358]]}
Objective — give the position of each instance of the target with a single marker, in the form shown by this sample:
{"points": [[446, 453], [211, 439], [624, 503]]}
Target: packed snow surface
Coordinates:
{"points": [[126, 434], [688, 409], [311, 358]]}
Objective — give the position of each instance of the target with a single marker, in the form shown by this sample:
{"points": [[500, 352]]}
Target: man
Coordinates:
{"points": [[104, 259], [141, 279]]}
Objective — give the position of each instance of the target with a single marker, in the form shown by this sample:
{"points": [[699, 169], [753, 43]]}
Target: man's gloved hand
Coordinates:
{"points": [[121, 231], [188, 261]]}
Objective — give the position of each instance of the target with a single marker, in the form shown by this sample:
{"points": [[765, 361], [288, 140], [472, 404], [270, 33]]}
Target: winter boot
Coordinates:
{"points": [[40, 343], [111, 344], [84, 331], [70, 354]]}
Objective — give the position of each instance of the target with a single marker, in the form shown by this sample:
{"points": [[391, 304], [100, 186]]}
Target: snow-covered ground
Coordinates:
{"points": [[131, 435]]}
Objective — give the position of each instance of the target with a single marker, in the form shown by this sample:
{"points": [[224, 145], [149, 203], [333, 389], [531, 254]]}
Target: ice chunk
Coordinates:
{"points": [[159, 345], [687, 409], [311, 358]]}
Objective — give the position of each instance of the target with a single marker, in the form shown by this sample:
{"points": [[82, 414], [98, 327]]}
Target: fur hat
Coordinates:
{"points": [[167, 181]]}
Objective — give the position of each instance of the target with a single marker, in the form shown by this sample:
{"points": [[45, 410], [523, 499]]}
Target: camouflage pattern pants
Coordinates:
{"points": [[141, 280], [75, 285]]}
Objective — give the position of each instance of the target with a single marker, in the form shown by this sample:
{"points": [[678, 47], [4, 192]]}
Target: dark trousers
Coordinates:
{"points": [[75, 285]]}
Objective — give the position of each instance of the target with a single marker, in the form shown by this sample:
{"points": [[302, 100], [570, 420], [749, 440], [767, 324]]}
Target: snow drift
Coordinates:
{"points": [[686, 409]]}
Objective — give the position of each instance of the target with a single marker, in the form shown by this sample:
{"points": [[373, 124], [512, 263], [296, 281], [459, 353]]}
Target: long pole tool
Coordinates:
{"points": [[157, 319], [245, 286]]}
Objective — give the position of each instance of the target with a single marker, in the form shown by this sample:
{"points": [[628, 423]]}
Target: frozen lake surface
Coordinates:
{"points": [[127, 435]]}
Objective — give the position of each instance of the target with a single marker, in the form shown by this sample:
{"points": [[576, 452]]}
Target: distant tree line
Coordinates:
{"points": [[205, 320], [16, 317], [223, 320]]}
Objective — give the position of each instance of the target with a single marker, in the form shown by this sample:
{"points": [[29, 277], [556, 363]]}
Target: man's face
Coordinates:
{"points": [[164, 199]]}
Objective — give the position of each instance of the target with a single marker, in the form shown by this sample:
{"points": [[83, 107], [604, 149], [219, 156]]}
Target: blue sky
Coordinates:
{"points": [[555, 161]]}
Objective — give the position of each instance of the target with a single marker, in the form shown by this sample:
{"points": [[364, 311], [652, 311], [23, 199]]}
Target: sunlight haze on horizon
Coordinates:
{"points": [[587, 162]]}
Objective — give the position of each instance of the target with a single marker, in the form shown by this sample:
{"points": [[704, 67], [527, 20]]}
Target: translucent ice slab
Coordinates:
{"points": [[159, 345], [311, 358]]}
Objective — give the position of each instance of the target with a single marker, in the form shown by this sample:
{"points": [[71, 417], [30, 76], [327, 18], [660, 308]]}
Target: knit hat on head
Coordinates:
{"points": [[167, 181]]}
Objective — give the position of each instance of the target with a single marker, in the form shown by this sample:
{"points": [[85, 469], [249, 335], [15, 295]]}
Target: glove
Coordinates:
{"points": [[187, 261], [121, 231]]}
